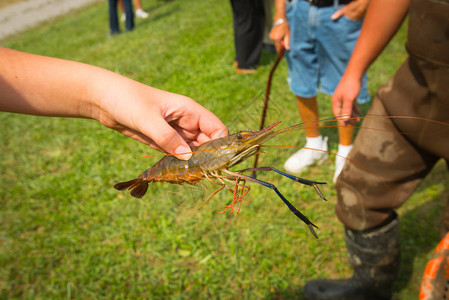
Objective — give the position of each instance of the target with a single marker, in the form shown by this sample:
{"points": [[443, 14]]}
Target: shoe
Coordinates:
{"points": [[140, 13], [374, 256], [123, 18], [245, 71], [304, 158], [340, 160]]}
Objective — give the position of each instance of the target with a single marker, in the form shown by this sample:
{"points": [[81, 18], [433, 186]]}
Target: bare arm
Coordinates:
{"points": [[44, 86], [281, 32], [382, 21]]}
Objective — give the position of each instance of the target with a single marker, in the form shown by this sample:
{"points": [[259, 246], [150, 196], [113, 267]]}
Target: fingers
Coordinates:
{"points": [[344, 106], [286, 42], [183, 121], [163, 120], [336, 106], [346, 110], [343, 111], [140, 138], [339, 13], [195, 123], [277, 42], [356, 112], [354, 10], [167, 139], [281, 34], [210, 125]]}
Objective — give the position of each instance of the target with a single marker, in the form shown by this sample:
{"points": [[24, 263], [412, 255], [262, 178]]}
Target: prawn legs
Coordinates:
{"points": [[238, 177]]}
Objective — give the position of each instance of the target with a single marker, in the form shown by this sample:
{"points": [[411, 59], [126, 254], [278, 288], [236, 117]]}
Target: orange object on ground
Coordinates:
{"points": [[435, 281]]}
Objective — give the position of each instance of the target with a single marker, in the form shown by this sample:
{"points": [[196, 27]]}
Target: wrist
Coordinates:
{"points": [[278, 22], [353, 73], [101, 91]]}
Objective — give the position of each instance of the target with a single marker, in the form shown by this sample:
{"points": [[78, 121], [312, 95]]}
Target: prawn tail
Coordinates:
{"points": [[137, 186]]}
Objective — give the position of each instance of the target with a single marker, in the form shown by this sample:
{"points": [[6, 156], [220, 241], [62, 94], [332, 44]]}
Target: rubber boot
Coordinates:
{"points": [[374, 256]]}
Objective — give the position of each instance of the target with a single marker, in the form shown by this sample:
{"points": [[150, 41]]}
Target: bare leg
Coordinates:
{"points": [[120, 4], [308, 109], [346, 135], [344, 147], [304, 158], [138, 4]]}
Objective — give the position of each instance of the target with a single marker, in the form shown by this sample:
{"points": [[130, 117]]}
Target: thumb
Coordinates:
{"points": [[338, 14], [168, 139], [286, 42], [336, 105], [346, 110]]}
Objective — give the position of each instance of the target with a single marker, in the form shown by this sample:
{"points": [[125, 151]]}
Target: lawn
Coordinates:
{"points": [[65, 232]]}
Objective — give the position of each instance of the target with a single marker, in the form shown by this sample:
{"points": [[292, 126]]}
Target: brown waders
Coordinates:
{"points": [[397, 163]]}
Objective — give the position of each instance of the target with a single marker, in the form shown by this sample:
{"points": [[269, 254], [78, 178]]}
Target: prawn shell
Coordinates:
{"points": [[214, 154], [173, 170]]}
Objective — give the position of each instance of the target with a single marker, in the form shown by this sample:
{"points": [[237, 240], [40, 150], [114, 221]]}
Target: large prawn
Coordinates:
{"points": [[212, 161]]}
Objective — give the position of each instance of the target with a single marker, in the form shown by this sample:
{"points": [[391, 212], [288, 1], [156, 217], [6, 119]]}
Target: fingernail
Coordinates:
{"points": [[183, 152], [334, 16], [220, 134]]}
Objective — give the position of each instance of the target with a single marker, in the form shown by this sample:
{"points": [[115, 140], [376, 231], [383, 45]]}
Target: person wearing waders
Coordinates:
{"points": [[419, 89]]}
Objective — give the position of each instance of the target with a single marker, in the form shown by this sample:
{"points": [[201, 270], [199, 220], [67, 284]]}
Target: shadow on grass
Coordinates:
{"points": [[267, 58], [155, 15], [420, 234]]}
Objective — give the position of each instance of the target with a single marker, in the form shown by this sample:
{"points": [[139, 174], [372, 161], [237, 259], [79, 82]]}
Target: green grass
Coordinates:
{"points": [[66, 233]]}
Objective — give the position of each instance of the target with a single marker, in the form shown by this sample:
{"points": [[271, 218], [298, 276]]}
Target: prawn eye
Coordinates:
{"points": [[239, 136]]}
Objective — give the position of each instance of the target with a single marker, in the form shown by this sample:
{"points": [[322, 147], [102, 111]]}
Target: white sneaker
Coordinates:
{"points": [[123, 18], [340, 160], [140, 13], [304, 158]]}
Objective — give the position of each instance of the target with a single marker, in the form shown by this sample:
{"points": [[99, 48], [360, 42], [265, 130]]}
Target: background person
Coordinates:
{"points": [[140, 13], [249, 23], [113, 18], [319, 36]]}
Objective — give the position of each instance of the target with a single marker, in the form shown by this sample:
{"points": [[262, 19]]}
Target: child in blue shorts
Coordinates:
{"points": [[319, 36]]}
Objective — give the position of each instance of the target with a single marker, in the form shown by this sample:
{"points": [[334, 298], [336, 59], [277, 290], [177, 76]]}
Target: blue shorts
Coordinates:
{"points": [[320, 49]]}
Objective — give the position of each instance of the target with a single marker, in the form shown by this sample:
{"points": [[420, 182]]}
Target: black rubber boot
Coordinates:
{"points": [[374, 256]]}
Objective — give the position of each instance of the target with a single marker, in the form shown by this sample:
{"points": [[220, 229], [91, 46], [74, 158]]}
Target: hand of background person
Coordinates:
{"points": [[354, 10], [63, 88], [344, 105], [280, 35]]}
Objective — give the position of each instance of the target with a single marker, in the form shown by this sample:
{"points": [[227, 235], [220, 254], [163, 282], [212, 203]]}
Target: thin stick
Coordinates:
{"points": [[267, 97]]}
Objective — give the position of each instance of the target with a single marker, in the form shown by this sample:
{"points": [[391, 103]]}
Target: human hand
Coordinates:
{"points": [[280, 35], [162, 120], [344, 106], [354, 10]]}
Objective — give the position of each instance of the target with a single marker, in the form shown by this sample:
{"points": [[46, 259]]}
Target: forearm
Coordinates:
{"points": [[280, 33], [279, 10], [39, 85], [382, 21]]}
